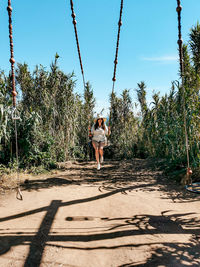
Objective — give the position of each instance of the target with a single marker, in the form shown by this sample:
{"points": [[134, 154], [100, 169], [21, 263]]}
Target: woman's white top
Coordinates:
{"points": [[99, 135]]}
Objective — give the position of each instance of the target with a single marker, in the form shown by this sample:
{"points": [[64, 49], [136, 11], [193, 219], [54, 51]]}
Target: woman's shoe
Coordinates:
{"points": [[98, 166]]}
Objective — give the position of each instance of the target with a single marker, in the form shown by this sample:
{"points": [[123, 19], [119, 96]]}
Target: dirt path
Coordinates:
{"points": [[126, 214]]}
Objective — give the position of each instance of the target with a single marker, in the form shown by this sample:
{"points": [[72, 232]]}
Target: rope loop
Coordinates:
{"points": [[19, 194], [15, 114]]}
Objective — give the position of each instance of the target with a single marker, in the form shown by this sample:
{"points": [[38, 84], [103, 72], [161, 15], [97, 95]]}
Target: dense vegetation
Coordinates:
{"points": [[54, 118], [162, 130]]}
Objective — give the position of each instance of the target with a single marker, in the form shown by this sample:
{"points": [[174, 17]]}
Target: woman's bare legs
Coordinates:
{"points": [[96, 152], [101, 153], [97, 155]]}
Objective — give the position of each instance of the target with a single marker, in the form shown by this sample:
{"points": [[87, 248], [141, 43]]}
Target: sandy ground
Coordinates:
{"points": [[126, 214]]}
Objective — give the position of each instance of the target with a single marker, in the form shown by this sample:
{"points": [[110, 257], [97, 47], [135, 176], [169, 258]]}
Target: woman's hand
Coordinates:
{"points": [[109, 130], [90, 133]]}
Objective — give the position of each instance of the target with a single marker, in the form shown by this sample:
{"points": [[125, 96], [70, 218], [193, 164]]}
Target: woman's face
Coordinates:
{"points": [[99, 122]]}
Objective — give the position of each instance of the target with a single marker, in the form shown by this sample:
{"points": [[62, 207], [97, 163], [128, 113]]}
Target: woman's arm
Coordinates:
{"points": [[92, 130], [106, 130], [109, 132]]}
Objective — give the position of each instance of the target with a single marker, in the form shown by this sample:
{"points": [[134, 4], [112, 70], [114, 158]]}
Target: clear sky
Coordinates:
{"points": [[147, 50]]}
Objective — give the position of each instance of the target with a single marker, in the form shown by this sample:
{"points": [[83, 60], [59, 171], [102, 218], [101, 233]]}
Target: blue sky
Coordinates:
{"points": [[147, 50]]}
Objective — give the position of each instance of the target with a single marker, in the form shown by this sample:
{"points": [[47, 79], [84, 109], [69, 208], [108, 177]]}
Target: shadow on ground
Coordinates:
{"points": [[114, 175], [162, 253]]}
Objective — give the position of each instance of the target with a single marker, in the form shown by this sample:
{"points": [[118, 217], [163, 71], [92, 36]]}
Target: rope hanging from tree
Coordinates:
{"points": [[15, 115], [180, 44], [116, 58], [77, 42], [117, 46]]}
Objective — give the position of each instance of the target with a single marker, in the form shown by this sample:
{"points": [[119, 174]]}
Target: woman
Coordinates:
{"points": [[99, 140]]}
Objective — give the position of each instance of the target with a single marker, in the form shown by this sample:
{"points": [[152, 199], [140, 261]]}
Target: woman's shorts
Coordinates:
{"points": [[99, 145]]}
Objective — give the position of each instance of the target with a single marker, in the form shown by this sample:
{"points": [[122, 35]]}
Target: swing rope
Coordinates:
{"points": [[116, 59], [117, 45], [180, 44], [77, 42], [15, 115]]}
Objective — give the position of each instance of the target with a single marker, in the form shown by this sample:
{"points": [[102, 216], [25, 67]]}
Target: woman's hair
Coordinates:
{"points": [[97, 124]]}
